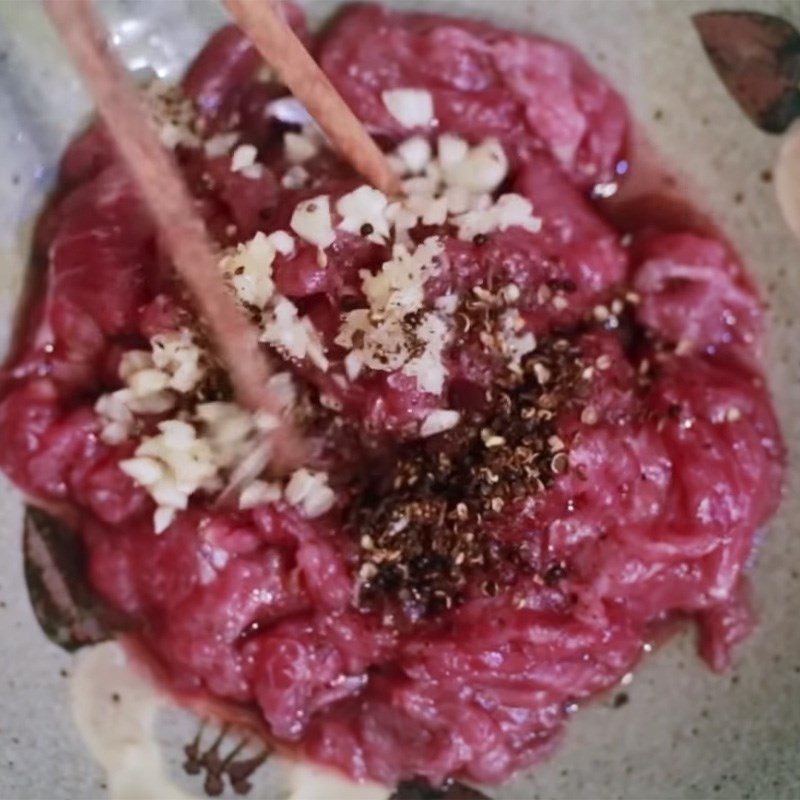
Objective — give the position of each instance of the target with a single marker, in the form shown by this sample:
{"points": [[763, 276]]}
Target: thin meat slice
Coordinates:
{"points": [[529, 91]]}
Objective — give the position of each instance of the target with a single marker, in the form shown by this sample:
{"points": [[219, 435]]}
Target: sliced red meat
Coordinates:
{"points": [[669, 478], [528, 91]]}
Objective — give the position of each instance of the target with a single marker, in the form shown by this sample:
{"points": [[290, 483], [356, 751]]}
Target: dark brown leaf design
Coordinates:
{"points": [[67, 610], [422, 790], [757, 56], [236, 766]]}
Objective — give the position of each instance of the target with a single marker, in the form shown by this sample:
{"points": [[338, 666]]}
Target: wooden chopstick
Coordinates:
{"points": [[284, 52], [180, 226]]}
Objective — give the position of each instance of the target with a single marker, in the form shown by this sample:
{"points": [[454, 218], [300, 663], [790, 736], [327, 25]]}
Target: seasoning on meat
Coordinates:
{"points": [[530, 435]]}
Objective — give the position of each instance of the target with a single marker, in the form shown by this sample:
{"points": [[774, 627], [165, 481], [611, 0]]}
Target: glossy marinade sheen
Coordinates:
{"points": [[656, 518]]}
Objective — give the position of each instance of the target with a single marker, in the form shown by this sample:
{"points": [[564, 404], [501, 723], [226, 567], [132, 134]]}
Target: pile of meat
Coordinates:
{"points": [[673, 458]]}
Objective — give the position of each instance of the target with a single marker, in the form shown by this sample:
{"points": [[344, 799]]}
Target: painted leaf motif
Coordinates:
{"points": [[66, 609], [757, 57], [422, 790]]}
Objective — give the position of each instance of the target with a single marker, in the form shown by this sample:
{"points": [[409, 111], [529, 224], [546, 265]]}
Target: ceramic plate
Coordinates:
{"points": [[675, 730]]}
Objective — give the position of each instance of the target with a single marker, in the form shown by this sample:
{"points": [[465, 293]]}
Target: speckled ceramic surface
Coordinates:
{"points": [[676, 730]]}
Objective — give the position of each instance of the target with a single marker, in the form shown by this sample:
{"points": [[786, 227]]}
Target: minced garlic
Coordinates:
{"points": [[412, 108], [311, 221]]}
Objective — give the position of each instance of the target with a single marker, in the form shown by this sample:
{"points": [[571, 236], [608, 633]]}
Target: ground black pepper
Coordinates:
{"points": [[426, 526]]}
